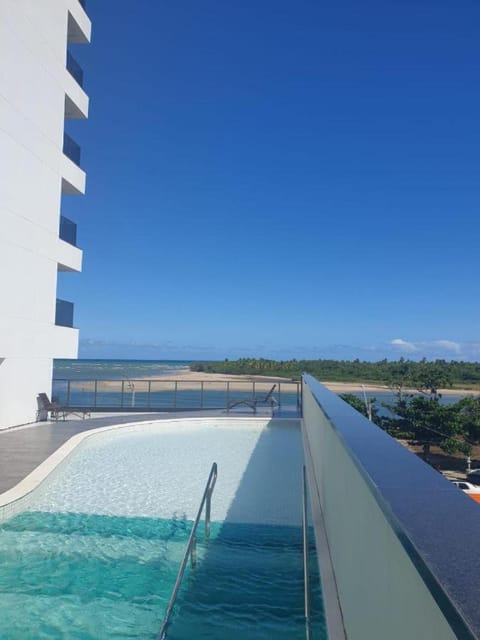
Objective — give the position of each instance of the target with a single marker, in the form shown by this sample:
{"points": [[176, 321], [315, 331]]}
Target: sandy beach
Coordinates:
{"points": [[337, 387], [192, 379], [352, 387]]}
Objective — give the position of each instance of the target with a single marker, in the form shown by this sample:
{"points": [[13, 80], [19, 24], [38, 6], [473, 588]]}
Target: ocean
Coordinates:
{"points": [[117, 369]]}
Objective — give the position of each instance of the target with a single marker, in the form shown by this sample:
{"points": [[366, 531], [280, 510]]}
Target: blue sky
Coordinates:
{"points": [[279, 179]]}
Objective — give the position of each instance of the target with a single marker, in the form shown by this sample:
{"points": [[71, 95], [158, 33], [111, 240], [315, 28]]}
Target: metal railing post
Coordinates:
{"points": [[207, 514], [175, 395], [95, 394], [68, 393], [201, 395], [193, 552], [149, 391], [123, 391]]}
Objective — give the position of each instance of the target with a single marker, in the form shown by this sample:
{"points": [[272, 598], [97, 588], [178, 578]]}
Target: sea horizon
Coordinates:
{"points": [[116, 368]]}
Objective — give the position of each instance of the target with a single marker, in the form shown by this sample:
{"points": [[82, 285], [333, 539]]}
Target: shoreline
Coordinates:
{"points": [[351, 387], [263, 383], [336, 387]]}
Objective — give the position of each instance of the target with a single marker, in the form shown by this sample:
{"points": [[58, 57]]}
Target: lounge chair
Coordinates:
{"points": [[255, 401], [56, 410]]}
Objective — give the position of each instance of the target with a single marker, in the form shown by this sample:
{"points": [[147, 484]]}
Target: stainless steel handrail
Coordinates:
{"points": [[306, 576], [191, 547]]}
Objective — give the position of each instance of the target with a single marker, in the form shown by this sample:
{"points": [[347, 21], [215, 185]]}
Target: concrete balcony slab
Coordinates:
{"points": [[79, 25], [73, 178], [76, 100]]}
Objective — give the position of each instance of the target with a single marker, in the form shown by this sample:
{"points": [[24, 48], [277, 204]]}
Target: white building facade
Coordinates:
{"points": [[40, 88]]}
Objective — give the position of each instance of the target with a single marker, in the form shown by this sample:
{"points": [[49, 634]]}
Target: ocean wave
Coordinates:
{"points": [[116, 369]]}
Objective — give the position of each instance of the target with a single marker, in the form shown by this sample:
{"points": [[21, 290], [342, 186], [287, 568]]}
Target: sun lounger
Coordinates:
{"points": [[255, 401], [56, 410]]}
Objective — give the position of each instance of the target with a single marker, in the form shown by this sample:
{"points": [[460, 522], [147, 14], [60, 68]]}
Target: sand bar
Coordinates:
{"points": [[267, 381], [357, 387], [192, 379]]}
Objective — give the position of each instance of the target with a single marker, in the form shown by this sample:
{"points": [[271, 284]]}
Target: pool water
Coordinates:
{"points": [[92, 577], [249, 585]]}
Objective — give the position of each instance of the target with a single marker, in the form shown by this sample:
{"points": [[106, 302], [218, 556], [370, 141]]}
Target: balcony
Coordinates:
{"points": [[73, 176], [64, 313], [68, 231], [74, 68], [76, 100], [79, 25], [69, 256], [71, 149]]}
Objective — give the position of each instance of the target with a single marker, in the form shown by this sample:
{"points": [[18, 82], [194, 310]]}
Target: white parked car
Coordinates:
{"points": [[465, 486], [469, 489]]}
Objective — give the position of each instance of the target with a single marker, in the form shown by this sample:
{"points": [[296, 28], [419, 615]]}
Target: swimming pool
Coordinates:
{"points": [[96, 554]]}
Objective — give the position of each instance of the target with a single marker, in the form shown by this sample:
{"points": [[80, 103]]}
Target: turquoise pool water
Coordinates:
{"points": [[93, 577]]}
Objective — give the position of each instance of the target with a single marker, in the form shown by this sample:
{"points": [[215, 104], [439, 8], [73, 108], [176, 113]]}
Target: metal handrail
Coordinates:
{"points": [[191, 547], [306, 576]]}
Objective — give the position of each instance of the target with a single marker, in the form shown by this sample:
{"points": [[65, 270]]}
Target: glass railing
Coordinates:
{"points": [[64, 313], [263, 398], [74, 68], [68, 231], [71, 149]]}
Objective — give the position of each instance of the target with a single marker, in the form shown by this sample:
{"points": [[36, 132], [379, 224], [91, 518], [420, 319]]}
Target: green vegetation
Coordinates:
{"points": [[423, 420], [418, 417], [391, 373]]}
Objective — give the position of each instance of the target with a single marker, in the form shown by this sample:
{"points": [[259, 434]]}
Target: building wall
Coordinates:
{"points": [[33, 77], [380, 591]]}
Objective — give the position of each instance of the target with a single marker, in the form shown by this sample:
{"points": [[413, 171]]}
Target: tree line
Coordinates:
{"points": [[459, 374]]}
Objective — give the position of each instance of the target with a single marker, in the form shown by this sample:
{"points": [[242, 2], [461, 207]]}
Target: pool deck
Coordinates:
{"points": [[23, 448]]}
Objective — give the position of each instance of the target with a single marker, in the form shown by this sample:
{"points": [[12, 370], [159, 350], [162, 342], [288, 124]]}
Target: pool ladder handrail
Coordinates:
{"points": [[306, 576], [190, 551]]}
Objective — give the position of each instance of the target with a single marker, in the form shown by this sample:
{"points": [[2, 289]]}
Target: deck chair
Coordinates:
{"points": [[56, 410], [46, 406], [255, 401]]}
